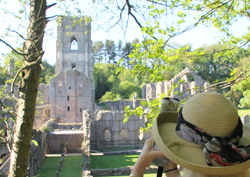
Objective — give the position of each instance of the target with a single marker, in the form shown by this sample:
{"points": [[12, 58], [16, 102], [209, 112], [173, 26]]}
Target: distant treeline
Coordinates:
{"points": [[111, 52], [115, 77]]}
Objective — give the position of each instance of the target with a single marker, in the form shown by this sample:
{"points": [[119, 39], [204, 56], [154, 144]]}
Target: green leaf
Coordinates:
{"points": [[35, 142]]}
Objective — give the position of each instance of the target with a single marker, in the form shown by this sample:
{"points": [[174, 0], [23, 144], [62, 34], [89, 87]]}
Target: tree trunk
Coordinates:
{"points": [[28, 87]]}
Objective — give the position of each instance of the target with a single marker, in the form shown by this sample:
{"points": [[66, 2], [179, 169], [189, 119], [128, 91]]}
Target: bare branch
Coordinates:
{"points": [[53, 16], [158, 3], [23, 54], [209, 13], [16, 33], [119, 18], [130, 13], [170, 46], [51, 5]]}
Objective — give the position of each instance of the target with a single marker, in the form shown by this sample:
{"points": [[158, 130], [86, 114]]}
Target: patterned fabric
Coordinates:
{"points": [[218, 151]]}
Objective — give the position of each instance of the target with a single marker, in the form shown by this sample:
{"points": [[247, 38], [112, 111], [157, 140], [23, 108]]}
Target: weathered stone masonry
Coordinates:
{"points": [[71, 91], [109, 131]]}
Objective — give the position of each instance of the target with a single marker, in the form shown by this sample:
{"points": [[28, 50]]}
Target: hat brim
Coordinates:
{"points": [[186, 153]]}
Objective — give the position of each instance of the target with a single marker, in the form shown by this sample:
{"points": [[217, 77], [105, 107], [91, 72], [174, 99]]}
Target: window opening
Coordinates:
{"points": [[68, 108], [68, 98], [58, 119], [47, 112], [69, 88], [74, 45], [107, 135], [73, 66], [124, 133], [80, 109]]}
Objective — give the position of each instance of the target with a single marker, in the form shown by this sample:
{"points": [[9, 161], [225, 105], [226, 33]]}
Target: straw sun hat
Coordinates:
{"points": [[191, 138]]}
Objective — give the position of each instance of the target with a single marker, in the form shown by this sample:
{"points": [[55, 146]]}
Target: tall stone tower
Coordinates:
{"points": [[74, 47], [72, 88]]}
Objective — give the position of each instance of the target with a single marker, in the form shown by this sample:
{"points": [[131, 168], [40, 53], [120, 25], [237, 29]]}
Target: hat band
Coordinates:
{"points": [[218, 151]]}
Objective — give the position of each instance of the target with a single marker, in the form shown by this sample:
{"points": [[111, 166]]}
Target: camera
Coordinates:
{"points": [[158, 161]]}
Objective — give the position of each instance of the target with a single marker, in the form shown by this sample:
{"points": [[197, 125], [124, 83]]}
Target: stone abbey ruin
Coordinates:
{"points": [[68, 113], [70, 95]]}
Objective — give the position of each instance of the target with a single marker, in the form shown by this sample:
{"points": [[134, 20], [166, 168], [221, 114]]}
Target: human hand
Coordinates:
{"points": [[147, 155]]}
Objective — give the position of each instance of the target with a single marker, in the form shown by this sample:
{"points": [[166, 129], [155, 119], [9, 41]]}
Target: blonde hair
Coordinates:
{"points": [[190, 173]]}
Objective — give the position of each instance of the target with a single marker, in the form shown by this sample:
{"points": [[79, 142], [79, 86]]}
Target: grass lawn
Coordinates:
{"points": [[71, 167], [243, 112], [145, 175], [113, 161], [114, 149]]}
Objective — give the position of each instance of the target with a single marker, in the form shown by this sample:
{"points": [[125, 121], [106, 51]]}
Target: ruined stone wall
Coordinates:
{"points": [[43, 106], [51, 125], [37, 153], [36, 156], [69, 126], [86, 144], [191, 85], [109, 131], [71, 140], [70, 93]]}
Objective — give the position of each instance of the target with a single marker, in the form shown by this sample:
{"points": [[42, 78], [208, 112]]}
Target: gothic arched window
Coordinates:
{"points": [[74, 44], [107, 135], [124, 133]]}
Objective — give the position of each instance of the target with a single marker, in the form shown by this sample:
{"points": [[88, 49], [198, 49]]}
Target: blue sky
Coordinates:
{"points": [[197, 37]]}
